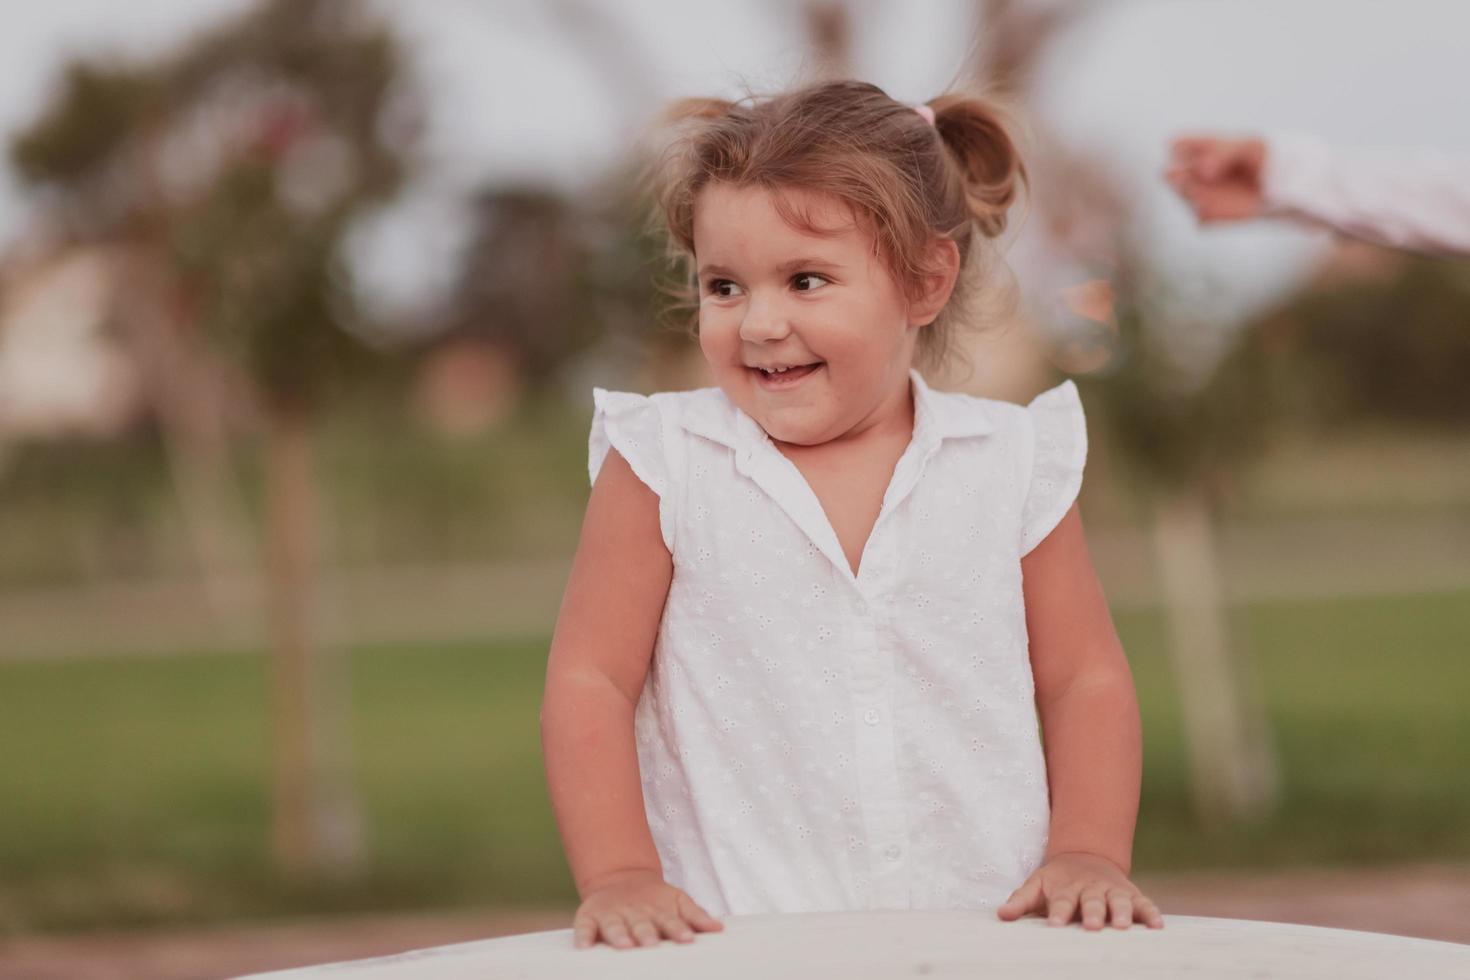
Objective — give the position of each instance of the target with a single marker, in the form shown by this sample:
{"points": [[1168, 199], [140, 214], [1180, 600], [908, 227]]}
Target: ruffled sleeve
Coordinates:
{"points": [[1058, 453], [643, 433]]}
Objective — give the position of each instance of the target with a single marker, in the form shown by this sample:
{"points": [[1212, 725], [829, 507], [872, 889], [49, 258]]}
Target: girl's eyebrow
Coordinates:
{"points": [[807, 263], [791, 265]]}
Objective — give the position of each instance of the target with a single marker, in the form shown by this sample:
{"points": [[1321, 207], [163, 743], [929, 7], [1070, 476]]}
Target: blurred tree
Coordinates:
{"points": [[607, 43], [1391, 345], [1387, 346], [635, 288], [1185, 423], [90, 148], [1014, 35], [552, 277], [829, 31], [233, 169], [1181, 424], [549, 279], [525, 285]]}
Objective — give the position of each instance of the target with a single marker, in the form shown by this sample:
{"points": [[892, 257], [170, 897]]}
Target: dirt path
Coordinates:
{"points": [[1429, 902]]}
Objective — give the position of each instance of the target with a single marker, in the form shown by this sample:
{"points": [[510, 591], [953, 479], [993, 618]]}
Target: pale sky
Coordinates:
{"points": [[516, 98]]}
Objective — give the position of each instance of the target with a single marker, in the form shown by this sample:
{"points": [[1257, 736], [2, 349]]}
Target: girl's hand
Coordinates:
{"points": [[1088, 884], [638, 908]]}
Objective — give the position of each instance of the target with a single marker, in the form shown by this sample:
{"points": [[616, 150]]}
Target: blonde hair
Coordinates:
{"points": [[909, 181]]}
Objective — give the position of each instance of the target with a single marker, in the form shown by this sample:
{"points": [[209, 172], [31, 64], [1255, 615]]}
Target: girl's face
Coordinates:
{"points": [[822, 305]]}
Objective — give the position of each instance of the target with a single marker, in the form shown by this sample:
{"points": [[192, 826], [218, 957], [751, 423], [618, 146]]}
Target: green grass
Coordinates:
{"points": [[1367, 704], [133, 791]]}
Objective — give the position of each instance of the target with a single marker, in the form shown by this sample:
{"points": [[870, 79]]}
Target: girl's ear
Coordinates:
{"points": [[943, 262]]}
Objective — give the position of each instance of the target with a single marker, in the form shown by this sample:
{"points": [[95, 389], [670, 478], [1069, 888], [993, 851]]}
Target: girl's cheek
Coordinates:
{"points": [[713, 340], [718, 323]]}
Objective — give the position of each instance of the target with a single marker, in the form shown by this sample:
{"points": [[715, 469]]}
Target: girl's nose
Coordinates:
{"points": [[763, 321]]}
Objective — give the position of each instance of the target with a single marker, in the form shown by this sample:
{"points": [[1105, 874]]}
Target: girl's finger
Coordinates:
{"points": [[1121, 903], [1147, 912], [698, 917], [644, 930], [584, 931], [1022, 900], [676, 928], [1060, 909], [1093, 907], [615, 930]]}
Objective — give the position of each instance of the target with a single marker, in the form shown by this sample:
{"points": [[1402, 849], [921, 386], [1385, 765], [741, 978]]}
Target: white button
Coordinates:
{"points": [[871, 716], [892, 852]]}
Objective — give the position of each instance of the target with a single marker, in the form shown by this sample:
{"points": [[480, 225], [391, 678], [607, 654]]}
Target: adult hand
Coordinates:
{"points": [[1221, 179], [1089, 885], [638, 908]]}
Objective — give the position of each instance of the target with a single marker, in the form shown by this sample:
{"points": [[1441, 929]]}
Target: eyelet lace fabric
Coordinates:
{"points": [[810, 739]]}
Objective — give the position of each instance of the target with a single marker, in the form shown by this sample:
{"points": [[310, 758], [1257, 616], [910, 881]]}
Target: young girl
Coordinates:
{"points": [[817, 611]]}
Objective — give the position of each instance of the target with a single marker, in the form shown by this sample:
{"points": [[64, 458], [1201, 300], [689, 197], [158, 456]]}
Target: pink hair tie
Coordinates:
{"points": [[926, 111]]}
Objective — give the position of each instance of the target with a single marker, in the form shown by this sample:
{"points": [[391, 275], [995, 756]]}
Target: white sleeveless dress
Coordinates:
{"points": [[813, 740]]}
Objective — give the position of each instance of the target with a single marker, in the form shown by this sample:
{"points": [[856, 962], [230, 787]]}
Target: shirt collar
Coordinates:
{"points": [[938, 415]]}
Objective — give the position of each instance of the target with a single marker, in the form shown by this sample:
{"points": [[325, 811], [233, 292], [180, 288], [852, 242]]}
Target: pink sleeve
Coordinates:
{"points": [[1410, 199]]}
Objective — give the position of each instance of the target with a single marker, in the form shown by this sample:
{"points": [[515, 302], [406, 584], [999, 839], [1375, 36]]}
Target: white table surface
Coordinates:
{"points": [[864, 945]]}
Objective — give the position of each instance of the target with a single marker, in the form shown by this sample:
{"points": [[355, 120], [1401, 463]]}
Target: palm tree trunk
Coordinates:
{"points": [[317, 828], [1233, 769]]}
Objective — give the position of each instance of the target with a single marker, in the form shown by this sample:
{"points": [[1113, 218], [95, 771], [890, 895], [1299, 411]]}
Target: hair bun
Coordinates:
{"points": [[977, 135]]}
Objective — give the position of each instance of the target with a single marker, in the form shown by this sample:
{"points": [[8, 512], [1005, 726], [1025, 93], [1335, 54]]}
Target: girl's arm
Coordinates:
{"points": [[1090, 723], [1085, 696], [600, 653]]}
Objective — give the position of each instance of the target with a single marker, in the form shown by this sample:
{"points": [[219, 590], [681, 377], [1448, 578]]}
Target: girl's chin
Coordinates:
{"points": [[782, 431]]}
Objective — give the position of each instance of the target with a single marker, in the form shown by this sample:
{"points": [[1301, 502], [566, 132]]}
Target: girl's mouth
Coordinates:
{"points": [[781, 380]]}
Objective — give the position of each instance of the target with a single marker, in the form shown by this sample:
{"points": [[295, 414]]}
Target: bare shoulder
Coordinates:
{"points": [[623, 512], [1062, 552]]}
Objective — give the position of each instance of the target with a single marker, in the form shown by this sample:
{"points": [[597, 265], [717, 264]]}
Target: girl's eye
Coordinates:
{"points": [[806, 282], [722, 288]]}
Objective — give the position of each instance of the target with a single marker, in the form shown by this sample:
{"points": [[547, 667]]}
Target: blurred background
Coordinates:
{"points": [[301, 303]]}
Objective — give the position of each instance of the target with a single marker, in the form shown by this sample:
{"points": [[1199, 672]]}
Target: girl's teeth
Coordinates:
{"points": [[802, 369]]}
